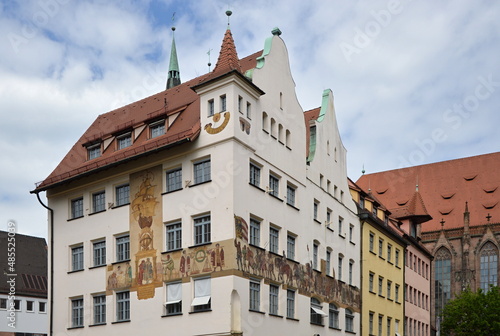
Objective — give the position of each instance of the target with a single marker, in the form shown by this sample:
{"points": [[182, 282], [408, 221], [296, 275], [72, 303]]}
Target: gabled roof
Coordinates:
{"points": [[178, 105], [444, 187], [30, 265], [414, 209]]}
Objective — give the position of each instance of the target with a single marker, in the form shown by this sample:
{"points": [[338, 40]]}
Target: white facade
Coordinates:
{"points": [[274, 217], [28, 316]]}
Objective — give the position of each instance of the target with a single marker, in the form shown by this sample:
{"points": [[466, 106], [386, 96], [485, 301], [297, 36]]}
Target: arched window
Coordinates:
{"points": [[349, 320], [333, 316], [489, 262], [442, 285], [316, 312], [264, 122]]}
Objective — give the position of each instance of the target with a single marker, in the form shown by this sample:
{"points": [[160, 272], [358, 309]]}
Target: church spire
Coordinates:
{"points": [[228, 57], [174, 76]]}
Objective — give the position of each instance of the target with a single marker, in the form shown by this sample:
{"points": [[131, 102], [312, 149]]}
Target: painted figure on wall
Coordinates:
{"points": [[120, 277], [217, 257], [143, 209], [185, 265]]}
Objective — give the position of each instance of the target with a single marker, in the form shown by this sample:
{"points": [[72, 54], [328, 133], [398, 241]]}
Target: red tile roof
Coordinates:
{"points": [[180, 99], [443, 187]]}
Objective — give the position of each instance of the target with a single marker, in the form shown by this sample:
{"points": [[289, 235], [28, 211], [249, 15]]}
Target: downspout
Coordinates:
{"points": [[51, 239]]}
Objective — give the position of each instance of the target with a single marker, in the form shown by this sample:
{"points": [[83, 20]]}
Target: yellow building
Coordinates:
{"points": [[382, 268]]}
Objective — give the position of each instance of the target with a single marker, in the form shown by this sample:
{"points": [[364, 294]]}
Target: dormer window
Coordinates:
{"points": [[211, 108], [124, 141], [222, 103], [157, 129], [94, 151]]}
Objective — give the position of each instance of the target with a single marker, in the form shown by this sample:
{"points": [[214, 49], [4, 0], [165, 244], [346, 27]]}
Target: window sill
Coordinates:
{"points": [[98, 266], [381, 257], [256, 311], [292, 319], [96, 212], [171, 191], [97, 324], [275, 315], [342, 235], [124, 321], [293, 206], [372, 292], [317, 221], [198, 245], [172, 250], [274, 196], [199, 183], [74, 218], [372, 252], [353, 243], [121, 205], [293, 260], [257, 247], [79, 327], [173, 314], [121, 261], [350, 332], [335, 328], [200, 311], [390, 262], [76, 271], [256, 186], [317, 324]]}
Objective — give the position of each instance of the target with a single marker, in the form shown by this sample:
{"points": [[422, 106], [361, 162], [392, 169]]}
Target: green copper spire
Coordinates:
{"points": [[174, 76]]}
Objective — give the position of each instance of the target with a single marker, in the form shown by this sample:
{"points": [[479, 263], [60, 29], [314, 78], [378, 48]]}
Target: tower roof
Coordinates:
{"points": [[228, 57], [174, 78]]}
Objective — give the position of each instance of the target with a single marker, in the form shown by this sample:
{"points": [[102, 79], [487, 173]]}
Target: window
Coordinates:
{"points": [[362, 202], [315, 256], [99, 309], [273, 299], [290, 303], [122, 306], [380, 284], [3, 303], [328, 217], [254, 295], [341, 223], [42, 306], [202, 230], [489, 262], [372, 239], [254, 232], [389, 289], [174, 179], [339, 277], [351, 265], [370, 279], [374, 210], [202, 295], [77, 207], [389, 252], [396, 258], [174, 236], [157, 129], [315, 210], [290, 195], [273, 240], [77, 313], [124, 141], [77, 258], [442, 283], [389, 320], [328, 261], [30, 306], [249, 110], [202, 171], [274, 185], [349, 320], [290, 247], [254, 175], [351, 232], [316, 312], [122, 194], [333, 316], [211, 108], [17, 305], [122, 248], [173, 303], [380, 321], [94, 151], [222, 103], [99, 249], [240, 104], [396, 293], [380, 248], [370, 324], [98, 201]]}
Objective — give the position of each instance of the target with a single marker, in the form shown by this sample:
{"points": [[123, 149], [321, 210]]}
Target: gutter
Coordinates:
{"points": [[51, 242]]}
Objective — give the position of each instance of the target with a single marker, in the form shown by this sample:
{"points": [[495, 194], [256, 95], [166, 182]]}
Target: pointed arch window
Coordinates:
{"points": [[489, 266], [442, 282]]}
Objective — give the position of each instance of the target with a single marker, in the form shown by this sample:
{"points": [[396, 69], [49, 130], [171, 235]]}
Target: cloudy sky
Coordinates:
{"points": [[414, 82]]}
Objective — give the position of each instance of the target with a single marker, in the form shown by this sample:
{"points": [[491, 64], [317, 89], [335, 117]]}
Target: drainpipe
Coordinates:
{"points": [[51, 242]]}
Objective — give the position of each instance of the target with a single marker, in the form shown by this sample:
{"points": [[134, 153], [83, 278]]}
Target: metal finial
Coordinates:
{"points": [[209, 63], [228, 13], [488, 217], [363, 170], [442, 223], [173, 21]]}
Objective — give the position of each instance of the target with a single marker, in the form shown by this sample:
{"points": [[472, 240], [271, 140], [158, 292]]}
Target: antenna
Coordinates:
{"points": [[209, 63]]}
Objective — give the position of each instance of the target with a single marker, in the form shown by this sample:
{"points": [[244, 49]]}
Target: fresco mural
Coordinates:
{"points": [[216, 118], [257, 261]]}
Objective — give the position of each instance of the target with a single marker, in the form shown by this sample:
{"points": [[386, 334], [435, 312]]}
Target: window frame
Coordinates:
{"points": [[290, 194], [122, 194], [254, 174], [77, 314], [124, 141], [99, 201], [290, 246], [254, 295], [274, 234], [99, 252], [77, 207], [157, 129], [173, 305], [173, 179], [99, 309], [255, 225], [273, 299], [202, 171], [122, 306], [290, 303], [94, 151], [122, 247], [274, 185], [173, 236], [202, 229], [77, 258], [207, 306]]}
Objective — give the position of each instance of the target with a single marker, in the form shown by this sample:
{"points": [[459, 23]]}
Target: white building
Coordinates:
{"points": [[216, 207], [23, 285]]}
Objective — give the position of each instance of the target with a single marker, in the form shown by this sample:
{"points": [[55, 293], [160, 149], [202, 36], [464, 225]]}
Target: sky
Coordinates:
{"points": [[414, 82]]}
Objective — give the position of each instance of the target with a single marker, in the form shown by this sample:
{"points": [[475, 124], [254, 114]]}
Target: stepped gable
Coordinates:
{"points": [[443, 187], [182, 106]]}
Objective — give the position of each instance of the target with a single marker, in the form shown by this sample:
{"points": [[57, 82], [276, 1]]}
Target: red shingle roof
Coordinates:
{"points": [[180, 101], [444, 187]]}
